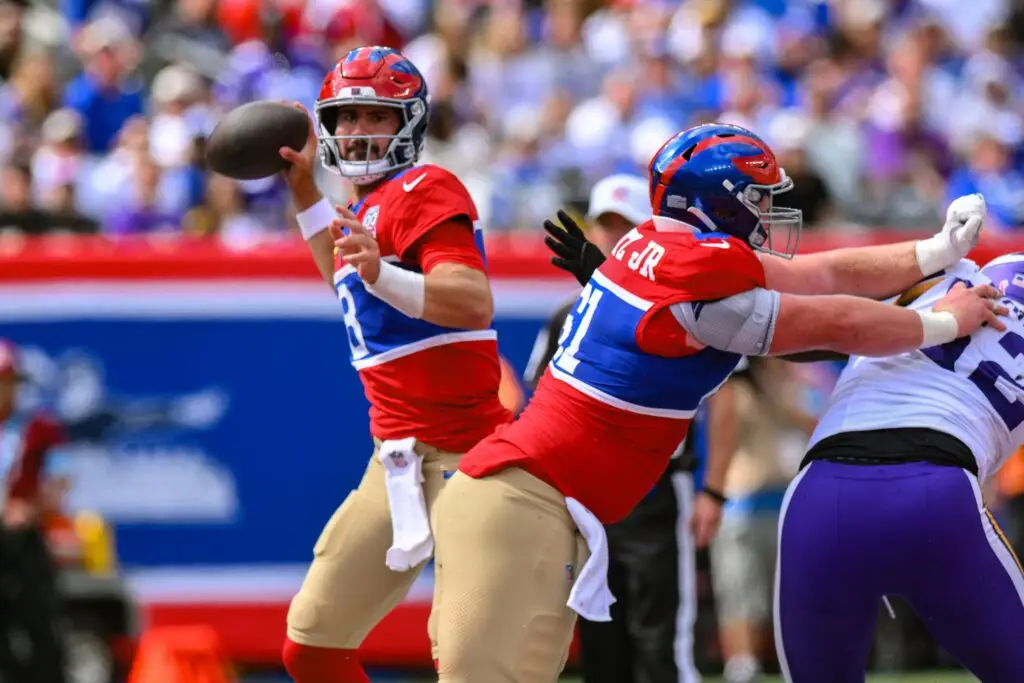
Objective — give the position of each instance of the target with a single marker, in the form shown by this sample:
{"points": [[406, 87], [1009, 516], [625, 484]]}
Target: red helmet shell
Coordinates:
{"points": [[382, 70]]}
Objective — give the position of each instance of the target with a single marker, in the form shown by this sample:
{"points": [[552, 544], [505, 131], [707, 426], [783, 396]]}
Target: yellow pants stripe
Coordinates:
{"points": [[1002, 537]]}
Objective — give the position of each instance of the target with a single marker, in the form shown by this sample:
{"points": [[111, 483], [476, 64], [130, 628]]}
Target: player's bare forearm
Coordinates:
{"points": [[458, 296], [321, 246], [722, 436], [876, 272], [306, 195], [844, 324]]}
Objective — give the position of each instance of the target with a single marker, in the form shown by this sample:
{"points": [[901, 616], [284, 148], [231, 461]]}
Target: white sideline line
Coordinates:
{"points": [[255, 584], [230, 299]]}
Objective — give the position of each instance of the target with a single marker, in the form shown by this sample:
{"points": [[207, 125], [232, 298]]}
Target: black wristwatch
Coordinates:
{"points": [[715, 495]]}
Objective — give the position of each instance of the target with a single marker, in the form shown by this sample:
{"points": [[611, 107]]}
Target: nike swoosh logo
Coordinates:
{"points": [[716, 245], [409, 187]]}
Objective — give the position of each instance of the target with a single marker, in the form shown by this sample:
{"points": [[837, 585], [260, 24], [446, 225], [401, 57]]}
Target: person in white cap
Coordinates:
{"points": [[651, 570]]}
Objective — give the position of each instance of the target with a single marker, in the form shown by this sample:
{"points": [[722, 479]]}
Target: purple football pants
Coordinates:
{"points": [[851, 534]]}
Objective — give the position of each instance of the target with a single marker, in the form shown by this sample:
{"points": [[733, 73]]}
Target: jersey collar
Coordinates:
{"points": [[356, 207]]}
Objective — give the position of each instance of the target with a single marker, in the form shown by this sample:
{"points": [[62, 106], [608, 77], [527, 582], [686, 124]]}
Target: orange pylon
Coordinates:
{"points": [[181, 654]]}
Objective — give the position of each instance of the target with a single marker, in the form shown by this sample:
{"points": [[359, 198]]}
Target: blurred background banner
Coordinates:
{"points": [[208, 398], [207, 392], [213, 420]]}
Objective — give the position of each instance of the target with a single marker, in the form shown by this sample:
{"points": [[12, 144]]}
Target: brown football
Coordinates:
{"points": [[245, 144]]}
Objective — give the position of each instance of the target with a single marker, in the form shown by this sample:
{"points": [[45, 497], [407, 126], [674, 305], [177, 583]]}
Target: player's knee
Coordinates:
{"points": [[302, 613], [462, 661], [473, 659], [309, 620]]}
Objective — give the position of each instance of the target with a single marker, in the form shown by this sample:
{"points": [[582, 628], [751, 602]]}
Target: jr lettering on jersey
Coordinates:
{"points": [[642, 261]]}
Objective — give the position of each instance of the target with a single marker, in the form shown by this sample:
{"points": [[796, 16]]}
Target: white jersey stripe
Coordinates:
{"points": [[628, 297], [614, 402], [422, 344]]}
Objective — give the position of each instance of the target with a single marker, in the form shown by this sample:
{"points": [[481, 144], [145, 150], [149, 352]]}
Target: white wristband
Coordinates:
{"points": [[939, 327], [935, 253], [316, 219], [403, 289]]}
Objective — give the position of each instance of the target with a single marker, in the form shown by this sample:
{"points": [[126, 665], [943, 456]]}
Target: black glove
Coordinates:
{"points": [[573, 253]]}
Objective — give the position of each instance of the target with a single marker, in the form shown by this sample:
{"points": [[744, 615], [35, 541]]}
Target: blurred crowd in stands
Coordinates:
{"points": [[880, 109]]}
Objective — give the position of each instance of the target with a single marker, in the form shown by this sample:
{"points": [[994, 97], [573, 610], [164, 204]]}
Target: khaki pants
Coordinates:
{"points": [[506, 557], [349, 588], [744, 554]]}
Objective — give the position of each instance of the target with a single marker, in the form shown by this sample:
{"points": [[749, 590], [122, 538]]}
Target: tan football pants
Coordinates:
{"points": [[507, 553], [349, 588]]}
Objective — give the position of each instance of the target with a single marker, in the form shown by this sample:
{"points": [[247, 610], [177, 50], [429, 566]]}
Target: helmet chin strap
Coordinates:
{"points": [[705, 220]]}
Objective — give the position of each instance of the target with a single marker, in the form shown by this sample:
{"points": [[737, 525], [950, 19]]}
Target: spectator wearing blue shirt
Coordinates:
{"points": [[989, 170], [104, 93]]}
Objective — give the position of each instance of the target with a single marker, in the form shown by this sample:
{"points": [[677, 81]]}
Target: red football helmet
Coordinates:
{"points": [[379, 76]]}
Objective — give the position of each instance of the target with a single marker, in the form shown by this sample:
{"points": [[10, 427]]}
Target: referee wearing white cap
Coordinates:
{"points": [[651, 567]]}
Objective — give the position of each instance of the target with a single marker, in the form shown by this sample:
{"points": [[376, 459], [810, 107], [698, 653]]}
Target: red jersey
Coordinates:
{"points": [[618, 396], [435, 383], [24, 443]]}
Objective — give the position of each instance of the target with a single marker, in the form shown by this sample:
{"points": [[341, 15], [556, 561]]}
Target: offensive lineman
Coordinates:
{"points": [[410, 277], [659, 327], [651, 552], [888, 502]]}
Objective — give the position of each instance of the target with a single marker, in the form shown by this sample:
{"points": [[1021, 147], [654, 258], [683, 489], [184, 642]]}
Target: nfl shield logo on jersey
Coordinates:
{"points": [[370, 220]]}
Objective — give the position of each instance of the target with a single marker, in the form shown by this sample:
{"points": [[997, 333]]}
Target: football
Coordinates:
{"points": [[245, 144]]}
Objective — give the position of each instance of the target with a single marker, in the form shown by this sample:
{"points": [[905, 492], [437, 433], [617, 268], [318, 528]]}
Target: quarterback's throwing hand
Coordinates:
{"points": [[358, 248], [301, 169], [973, 307]]}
